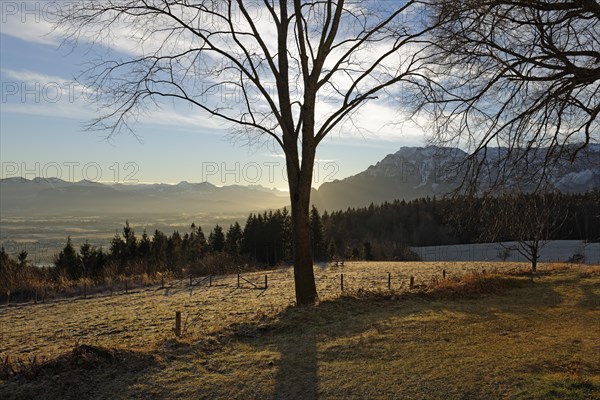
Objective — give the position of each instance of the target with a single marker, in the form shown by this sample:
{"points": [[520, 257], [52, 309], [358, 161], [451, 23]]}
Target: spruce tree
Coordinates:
{"points": [[316, 235], [216, 239], [332, 251], [367, 250], [68, 262], [233, 240], [159, 250]]}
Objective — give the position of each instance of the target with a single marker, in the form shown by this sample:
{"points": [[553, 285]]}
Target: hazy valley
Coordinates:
{"points": [[37, 215]]}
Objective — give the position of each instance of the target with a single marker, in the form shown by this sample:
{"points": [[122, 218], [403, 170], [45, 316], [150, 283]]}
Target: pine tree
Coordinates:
{"points": [[92, 260], [8, 273], [22, 257], [216, 239], [196, 244], [86, 256], [130, 242], [144, 252], [173, 253], [68, 262], [316, 235], [233, 240], [332, 251], [367, 251], [286, 235], [250, 237], [159, 250], [118, 251]]}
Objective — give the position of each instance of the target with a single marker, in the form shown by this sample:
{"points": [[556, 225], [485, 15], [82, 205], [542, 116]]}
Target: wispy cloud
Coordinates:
{"points": [[35, 93], [373, 121], [33, 29]]}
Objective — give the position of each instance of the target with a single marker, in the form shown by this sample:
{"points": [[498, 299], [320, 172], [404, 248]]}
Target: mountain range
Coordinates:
{"points": [[410, 173], [54, 196], [417, 172]]}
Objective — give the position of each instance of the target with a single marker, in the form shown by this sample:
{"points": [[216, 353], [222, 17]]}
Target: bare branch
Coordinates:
{"points": [[523, 75], [278, 57]]}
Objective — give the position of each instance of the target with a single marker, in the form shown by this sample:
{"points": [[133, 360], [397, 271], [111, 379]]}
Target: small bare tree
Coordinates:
{"points": [[530, 220], [521, 75], [298, 70]]}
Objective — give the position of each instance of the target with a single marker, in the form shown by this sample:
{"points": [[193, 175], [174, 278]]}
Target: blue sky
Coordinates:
{"points": [[43, 115]]}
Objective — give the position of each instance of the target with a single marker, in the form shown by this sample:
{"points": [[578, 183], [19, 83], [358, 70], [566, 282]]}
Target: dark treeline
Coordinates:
{"points": [[390, 228], [377, 232]]}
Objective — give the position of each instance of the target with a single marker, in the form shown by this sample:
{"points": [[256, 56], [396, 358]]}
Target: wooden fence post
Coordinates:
{"points": [[389, 281], [342, 282], [412, 281], [266, 285], [191, 283], [444, 273], [238, 283], [210, 281], [162, 282], [177, 323]]}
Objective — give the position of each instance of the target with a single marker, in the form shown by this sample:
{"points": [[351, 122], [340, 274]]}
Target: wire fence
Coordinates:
{"points": [[205, 305], [331, 280]]}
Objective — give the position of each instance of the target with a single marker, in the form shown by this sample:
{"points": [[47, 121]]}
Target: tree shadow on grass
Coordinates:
{"points": [[295, 340], [298, 333], [591, 298], [297, 376], [88, 372]]}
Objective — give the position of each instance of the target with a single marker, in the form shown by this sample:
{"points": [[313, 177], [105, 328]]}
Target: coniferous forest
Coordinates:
{"points": [[378, 232]]}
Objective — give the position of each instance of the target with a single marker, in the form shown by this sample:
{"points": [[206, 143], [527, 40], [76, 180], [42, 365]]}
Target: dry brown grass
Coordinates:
{"points": [[145, 316], [485, 335], [589, 272]]}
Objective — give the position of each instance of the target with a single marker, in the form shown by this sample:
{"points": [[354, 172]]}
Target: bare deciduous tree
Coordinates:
{"points": [[529, 220], [298, 69], [522, 75]]}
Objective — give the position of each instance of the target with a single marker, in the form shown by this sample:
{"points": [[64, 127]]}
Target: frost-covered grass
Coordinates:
{"points": [[474, 335], [552, 251]]}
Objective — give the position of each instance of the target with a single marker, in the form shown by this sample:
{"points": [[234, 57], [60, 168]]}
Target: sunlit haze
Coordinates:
{"points": [[44, 112]]}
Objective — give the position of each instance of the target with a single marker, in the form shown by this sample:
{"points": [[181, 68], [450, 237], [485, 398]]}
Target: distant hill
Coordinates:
{"points": [[55, 196], [410, 173], [416, 172]]}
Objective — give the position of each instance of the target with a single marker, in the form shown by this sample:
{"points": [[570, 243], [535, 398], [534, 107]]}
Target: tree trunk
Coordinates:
{"points": [[304, 277], [534, 257]]}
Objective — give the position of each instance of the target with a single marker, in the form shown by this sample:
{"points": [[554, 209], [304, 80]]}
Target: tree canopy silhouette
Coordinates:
{"points": [[292, 71], [523, 75]]}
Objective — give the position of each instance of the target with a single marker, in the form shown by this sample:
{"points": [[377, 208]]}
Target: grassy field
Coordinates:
{"points": [[491, 335]]}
